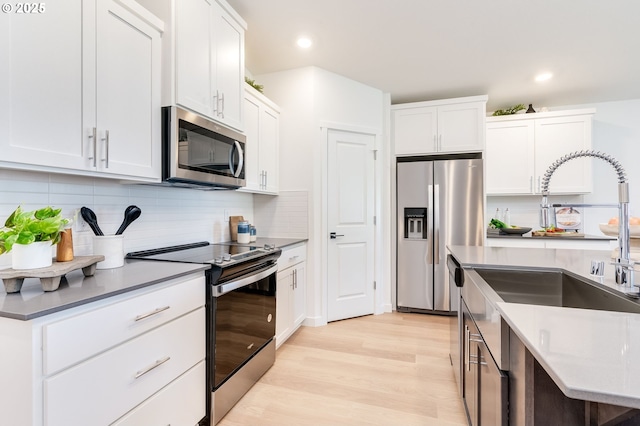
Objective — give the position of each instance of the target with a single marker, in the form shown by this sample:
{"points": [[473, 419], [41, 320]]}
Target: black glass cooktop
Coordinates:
{"points": [[215, 254]]}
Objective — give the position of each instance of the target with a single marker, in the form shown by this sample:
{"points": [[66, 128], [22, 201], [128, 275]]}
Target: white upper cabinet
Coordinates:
{"points": [[41, 87], [82, 94], [228, 66], [262, 128], [193, 56], [449, 125], [209, 59], [520, 149], [127, 93]]}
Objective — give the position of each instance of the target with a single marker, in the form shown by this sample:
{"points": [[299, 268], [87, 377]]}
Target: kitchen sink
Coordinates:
{"points": [[554, 289]]}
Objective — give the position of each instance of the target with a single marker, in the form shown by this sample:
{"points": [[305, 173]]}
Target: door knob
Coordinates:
{"points": [[333, 235]]}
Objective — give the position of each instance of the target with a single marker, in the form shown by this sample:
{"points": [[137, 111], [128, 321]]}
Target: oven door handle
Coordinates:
{"points": [[222, 289]]}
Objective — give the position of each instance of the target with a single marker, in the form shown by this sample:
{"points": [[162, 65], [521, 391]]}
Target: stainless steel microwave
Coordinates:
{"points": [[199, 153]]}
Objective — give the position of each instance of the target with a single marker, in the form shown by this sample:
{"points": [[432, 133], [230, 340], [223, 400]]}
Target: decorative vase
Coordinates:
{"points": [[32, 256], [530, 109]]}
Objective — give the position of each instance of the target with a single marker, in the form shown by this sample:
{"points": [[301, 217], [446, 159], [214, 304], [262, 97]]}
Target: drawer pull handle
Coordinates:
{"points": [[158, 363], [294, 257], [152, 313]]}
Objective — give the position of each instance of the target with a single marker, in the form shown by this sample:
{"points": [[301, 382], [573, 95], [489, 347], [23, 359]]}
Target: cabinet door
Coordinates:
{"points": [[269, 136], [193, 55], [228, 66], [510, 157], [161, 409], [127, 93], [415, 130], [253, 173], [461, 127], [298, 307], [492, 390], [41, 86], [284, 288], [558, 136]]}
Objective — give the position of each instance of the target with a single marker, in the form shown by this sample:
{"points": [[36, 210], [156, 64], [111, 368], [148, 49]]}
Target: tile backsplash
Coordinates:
{"points": [[169, 215], [284, 216]]}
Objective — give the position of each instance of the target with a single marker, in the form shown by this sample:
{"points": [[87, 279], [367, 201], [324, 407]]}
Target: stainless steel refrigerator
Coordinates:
{"points": [[440, 202]]}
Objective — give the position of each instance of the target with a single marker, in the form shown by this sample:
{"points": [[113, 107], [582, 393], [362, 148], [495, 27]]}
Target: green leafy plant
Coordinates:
{"points": [[252, 83], [509, 111], [28, 227]]}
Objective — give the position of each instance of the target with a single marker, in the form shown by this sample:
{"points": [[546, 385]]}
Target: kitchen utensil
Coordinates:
{"points": [[131, 213], [90, 217]]}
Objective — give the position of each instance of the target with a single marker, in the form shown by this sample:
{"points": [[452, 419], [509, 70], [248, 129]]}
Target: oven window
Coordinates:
{"points": [[202, 150], [245, 320]]}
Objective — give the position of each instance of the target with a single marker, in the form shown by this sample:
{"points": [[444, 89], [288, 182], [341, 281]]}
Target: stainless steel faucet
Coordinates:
{"points": [[624, 273]]}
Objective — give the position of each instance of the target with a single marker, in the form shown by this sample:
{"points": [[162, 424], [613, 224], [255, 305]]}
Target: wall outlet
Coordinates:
{"points": [[226, 215]]}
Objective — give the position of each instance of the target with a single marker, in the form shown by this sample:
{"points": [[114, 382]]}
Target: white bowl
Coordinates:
{"points": [[612, 230]]}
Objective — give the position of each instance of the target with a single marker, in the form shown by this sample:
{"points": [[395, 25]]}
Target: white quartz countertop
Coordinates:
{"points": [[591, 355]]}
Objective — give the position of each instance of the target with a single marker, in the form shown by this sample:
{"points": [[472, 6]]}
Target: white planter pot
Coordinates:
{"points": [[31, 256]]}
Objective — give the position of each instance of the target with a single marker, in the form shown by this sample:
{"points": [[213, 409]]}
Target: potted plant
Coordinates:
{"points": [[30, 235]]}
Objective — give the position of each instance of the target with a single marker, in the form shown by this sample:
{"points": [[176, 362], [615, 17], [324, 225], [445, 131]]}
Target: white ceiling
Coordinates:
{"points": [[434, 49]]}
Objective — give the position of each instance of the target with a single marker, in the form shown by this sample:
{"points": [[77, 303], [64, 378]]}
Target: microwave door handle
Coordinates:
{"points": [[236, 147]]}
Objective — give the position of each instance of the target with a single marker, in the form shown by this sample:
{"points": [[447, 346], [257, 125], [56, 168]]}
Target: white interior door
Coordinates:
{"points": [[350, 210]]}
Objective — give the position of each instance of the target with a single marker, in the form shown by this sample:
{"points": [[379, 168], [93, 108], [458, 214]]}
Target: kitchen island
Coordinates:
{"points": [[589, 354]]}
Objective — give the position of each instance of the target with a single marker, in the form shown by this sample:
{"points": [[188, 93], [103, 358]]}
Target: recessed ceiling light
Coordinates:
{"points": [[543, 77], [304, 42]]}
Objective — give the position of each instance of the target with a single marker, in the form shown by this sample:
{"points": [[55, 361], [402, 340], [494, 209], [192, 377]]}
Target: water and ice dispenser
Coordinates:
{"points": [[415, 223]]}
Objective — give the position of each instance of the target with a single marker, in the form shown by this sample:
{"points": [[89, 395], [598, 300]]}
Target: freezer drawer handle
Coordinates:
{"points": [[333, 235]]}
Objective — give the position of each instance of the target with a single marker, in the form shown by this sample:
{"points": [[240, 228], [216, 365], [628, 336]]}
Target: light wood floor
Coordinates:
{"points": [[390, 369]]}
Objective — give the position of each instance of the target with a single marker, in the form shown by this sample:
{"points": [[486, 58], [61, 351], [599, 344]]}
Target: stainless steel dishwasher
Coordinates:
{"points": [[484, 352], [486, 387]]}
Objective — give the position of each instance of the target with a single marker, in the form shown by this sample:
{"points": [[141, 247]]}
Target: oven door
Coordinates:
{"points": [[244, 320]]}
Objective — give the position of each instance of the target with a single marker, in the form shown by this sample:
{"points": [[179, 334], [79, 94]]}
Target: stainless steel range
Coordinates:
{"points": [[241, 315]]}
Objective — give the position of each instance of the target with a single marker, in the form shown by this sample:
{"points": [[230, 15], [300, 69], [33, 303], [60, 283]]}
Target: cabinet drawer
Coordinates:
{"points": [[102, 389], [180, 403], [74, 339], [291, 256]]}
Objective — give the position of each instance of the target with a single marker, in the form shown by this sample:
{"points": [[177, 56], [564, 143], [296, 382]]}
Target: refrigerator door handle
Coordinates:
{"points": [[436, 226], [429, 228]]}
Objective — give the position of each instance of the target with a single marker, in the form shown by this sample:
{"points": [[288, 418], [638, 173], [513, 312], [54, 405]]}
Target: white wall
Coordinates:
{"points": [[169, 215], [616, 131], [310, 98]]}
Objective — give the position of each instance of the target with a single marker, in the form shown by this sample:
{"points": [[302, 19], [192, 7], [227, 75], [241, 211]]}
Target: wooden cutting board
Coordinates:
{"points": [[556, 234]]}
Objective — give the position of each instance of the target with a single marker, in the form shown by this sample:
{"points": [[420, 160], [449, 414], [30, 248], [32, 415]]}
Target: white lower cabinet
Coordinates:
{"points": [[136, 358], [291, 292], [185, 392]]}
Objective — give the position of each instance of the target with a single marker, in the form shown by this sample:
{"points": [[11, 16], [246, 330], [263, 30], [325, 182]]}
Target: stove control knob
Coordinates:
{"points": [[218, 259], [226, 257]]}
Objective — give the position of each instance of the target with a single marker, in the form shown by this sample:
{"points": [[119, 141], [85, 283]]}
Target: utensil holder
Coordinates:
{"points": [[112, 248]]}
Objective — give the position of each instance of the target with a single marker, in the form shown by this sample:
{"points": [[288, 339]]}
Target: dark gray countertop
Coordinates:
{"points": [[32, 302]]}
